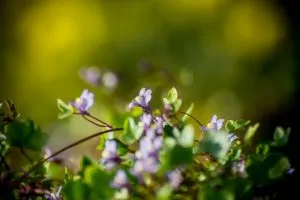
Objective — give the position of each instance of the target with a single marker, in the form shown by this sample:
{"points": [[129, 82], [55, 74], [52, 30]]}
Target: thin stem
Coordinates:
{"points": [[95, 118], [4, 162], [25, 154], [96, 124], [192, 118], [68, 147]]}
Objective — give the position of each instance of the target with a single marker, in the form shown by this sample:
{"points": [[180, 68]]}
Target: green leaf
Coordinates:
{"points": [[262, 149], [281, 137], [55, 171], [180, 156], [76, 190], [164, 193], [26, 134], [250, 133], [189, 111], [186, 138], [269, 169], [102, 140], [281, 165], [176, 105], [66, 110], [232, 126], [132, 131], [215, 143], [172, 95], [95, 178]]}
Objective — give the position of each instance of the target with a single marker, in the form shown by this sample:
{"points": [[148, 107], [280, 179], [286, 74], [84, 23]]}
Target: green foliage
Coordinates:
{"points": [[250, 133], [132, 131], [232, 126], [188, 112], [172, 100], [24, 133], [281, 137], [66, 110], [155, 158], [215, 143]]}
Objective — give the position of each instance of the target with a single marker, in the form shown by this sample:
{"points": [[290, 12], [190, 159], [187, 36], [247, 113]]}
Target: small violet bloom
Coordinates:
{"points": [[290, 170], [175, 178], [120, 180], [110, 157], [146, 120], [84, 102], [159, 125], [232, 137], [239, 167], [147, 160], [142, 100], [215, 124]]}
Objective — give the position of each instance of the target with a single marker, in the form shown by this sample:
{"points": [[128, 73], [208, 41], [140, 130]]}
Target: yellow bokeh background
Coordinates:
{"points": [[230, 58]]}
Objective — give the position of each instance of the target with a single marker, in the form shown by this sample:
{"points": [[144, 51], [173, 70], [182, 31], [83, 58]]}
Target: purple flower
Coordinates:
{"points": [[232, 137], [239, 167], [110, 157], [142, 100], [159, 128], [146, 120], [175, 178], [120, 180], [215, 124], [84, 102], [290, 170], [147, 160]]}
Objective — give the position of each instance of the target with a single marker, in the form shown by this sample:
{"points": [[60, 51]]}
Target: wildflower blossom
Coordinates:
{"points": [[109, 155], [175, 178], [159, 126], [147, 156], [146, 120], [120, 180], [215, 124], [232, 137], [239, 167], [290, 170], [54, 196], [84, 102], [142, 100]]}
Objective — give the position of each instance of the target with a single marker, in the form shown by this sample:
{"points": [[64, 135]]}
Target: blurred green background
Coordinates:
{"points": [[232, 58]]}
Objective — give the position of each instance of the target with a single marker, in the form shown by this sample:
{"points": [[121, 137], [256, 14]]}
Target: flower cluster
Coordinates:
{"points": [[216, 125], [110, 158]]}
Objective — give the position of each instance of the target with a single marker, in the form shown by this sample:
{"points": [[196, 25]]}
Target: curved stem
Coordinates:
{"points": [[85, 117], [68, 147], [192, 118], [95, 118]]}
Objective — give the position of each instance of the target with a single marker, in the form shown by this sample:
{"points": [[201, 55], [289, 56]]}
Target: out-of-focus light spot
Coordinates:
{"points": [[253, 27], [91, 75], [110, 80], [58, 33]]}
